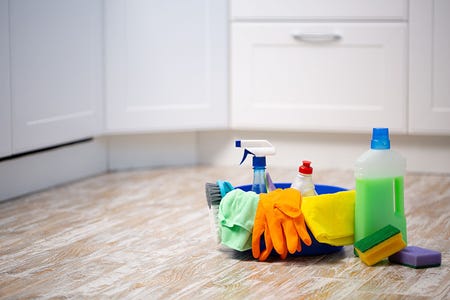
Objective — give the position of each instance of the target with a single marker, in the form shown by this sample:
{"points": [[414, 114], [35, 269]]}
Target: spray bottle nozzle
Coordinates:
{"points": [[258, 148], [246, 152]]}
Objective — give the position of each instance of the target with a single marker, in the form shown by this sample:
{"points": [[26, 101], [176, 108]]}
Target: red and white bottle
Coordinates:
{"points": [[303, 181]]}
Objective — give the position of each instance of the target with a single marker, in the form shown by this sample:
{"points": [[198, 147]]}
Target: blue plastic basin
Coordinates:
{"points": [[316, 247]]}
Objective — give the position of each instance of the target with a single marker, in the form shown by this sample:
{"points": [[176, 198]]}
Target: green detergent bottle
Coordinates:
{"points": [[379, 174]]}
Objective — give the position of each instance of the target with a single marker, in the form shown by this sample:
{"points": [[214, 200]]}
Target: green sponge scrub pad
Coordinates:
{"points": [[380, 245]]}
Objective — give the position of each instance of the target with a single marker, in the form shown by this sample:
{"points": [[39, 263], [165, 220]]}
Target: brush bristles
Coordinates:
{"points": [[213, 196]]}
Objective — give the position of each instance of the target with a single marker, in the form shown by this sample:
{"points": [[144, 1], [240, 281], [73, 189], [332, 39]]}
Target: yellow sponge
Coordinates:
{"points": [[380, 245]]}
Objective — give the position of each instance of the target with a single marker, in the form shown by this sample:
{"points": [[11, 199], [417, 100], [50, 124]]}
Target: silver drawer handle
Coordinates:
{"points": [[317, 37]]}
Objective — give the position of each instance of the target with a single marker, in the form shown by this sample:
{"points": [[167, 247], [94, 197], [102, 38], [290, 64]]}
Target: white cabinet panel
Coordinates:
{"points": [[56, 71], [166, 65], [322, 76], [319, 9], [5, 101], [429, 66]]}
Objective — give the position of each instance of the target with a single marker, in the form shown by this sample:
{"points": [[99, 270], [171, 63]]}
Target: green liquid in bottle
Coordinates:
{"points": [[379, 202]]}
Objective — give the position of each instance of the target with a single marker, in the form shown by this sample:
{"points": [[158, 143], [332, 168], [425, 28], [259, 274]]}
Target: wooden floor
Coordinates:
{"points": [[145, 234]]}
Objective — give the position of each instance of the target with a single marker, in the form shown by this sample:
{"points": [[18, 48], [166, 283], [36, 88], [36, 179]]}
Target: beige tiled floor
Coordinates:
{"points": [[145, 234]]}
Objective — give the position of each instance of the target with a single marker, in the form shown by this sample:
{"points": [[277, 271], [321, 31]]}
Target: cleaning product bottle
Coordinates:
{"points": [[259, 149], [379, 174], [303, 181]]}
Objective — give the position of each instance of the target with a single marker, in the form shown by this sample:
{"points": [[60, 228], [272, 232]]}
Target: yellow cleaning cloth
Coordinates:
{"points": [[331, 217]]}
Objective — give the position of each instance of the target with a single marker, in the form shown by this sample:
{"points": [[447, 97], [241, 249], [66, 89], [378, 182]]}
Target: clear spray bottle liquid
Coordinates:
{"points": [[259, 175], [303, 181], [379, 174]]}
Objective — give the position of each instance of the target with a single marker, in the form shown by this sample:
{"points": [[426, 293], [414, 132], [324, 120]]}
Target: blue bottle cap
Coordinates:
{"points": [[380, 139], [259, 162]]}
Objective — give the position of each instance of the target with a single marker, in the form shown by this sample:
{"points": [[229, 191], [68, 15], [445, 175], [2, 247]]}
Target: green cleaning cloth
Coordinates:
{"points": [[236, 216]]}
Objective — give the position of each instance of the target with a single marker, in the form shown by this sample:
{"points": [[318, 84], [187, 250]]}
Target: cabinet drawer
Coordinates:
{"points": [[301, 76], [319, 9]]}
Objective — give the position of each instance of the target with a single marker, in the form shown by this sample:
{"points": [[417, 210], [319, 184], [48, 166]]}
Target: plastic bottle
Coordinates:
{"points": [[259, 175], [303, 181], [259, 149], [379, 174]]}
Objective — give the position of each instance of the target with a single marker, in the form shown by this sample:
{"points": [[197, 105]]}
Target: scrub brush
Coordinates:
{"points": [[214, 194], [213, 197]]}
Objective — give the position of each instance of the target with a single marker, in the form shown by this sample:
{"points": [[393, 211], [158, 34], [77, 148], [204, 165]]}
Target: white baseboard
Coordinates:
{"points": [[325, 150], [41, 170], [151, 150]]}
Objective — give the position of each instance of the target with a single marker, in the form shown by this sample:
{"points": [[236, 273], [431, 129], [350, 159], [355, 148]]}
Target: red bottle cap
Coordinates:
{"points": [[305, 168]]}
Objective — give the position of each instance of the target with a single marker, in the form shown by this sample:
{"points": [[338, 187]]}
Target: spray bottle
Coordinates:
{"points": [[259, 149], [379, 177]]}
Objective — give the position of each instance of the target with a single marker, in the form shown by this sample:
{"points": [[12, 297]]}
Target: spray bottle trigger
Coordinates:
{"points": [[246, 152]]}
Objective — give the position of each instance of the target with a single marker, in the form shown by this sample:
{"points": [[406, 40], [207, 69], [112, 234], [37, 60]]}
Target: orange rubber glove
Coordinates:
{"points": [[280, 219], [260, 227]]}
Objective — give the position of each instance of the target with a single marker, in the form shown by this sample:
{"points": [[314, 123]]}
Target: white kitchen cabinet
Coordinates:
{"points": [[56, 71], [319, 66], [166, 65], [429, 67], [341, 76], [5, 101]]}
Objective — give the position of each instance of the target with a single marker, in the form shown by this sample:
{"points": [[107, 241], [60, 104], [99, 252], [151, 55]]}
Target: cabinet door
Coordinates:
{"points": [[166, 65], [429, 67], [56, 65], [304, 76], [5, 101]]}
